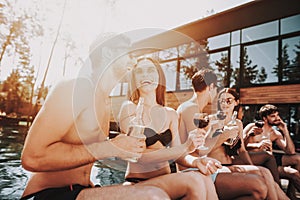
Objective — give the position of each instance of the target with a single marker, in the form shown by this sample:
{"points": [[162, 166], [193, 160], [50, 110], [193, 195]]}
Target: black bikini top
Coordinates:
{"points": [[152, 137], [233, 149]]}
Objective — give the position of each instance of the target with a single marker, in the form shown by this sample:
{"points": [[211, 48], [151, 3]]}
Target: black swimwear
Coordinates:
{"points": [[232, 150], [135, 180], [63, 193], [152, 137]]}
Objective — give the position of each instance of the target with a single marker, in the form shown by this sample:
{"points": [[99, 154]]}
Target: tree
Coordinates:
{"points": [[290, 68], [285, 63], [199, 57], [12, 87], [251, 74], [296, 60], [17, 25], [223, 66]]}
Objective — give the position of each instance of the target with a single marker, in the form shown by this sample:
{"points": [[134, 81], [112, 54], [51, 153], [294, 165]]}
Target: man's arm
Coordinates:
{"points": [[284, 140], [181, 125], [46, 147]]}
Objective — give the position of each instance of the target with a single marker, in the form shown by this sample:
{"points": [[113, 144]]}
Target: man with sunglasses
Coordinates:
{"points": [[277, 132]]}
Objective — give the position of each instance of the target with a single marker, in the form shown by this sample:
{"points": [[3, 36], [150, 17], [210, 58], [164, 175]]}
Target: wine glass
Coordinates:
{"points": [[201, 120], [220, 116], [232, 122], [259, 123]]}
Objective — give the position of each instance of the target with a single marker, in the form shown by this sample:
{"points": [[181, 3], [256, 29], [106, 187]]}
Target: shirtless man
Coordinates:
{"points": [[69, 134], [253, 137]]}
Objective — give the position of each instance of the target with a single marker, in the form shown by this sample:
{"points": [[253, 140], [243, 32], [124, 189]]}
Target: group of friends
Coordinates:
{"points": [[71, 131]]}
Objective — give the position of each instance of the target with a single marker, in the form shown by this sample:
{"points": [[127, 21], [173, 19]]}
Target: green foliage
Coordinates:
{"points": [[290, 67], [251, 75], [224, 67]]}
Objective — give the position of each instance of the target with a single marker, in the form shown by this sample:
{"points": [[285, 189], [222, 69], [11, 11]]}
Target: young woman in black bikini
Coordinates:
{"points": [[235, 156], [162, 138]]}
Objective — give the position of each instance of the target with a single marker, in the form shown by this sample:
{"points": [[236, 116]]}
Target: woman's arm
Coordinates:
{"points": [[243, 153]]}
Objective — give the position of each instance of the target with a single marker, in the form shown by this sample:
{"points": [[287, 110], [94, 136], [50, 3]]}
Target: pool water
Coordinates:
{"points": [[14, 178]]}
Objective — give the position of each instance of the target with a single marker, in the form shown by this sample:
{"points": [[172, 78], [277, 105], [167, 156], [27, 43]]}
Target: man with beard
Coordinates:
{"points": [[261, 139]]}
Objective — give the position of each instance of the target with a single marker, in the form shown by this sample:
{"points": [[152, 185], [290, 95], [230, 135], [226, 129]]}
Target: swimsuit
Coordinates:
{"points": [[232, 150], [212, 176], [135, 180], [152, 137], [62, 193]]}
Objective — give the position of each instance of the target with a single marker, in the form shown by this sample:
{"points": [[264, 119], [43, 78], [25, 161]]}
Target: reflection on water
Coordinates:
{"points": [[14, 178]]}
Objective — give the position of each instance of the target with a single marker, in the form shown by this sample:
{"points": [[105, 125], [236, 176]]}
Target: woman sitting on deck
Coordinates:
{"points": [[163, 142]]}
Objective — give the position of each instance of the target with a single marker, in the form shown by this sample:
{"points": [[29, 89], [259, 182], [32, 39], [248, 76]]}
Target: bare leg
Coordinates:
{"points": [[266, 160], [134, 192], [187, 185], [291, 174], [291, 160], [240, 186], [274, 191]]}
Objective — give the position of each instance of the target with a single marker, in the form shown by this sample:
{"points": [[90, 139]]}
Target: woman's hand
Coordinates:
{"points": [[207, 165], [195, 139], [128, 146]]}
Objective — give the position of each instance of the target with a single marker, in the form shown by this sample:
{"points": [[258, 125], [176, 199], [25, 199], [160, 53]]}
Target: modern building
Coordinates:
{"points": [[254, 48]]}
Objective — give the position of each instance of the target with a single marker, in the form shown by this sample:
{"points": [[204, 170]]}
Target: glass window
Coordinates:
{"points": [[117, 90], [235, 65], [219, 41], [260, 31], [290, 24], [124, 89], [291, 59], [235, 37], [168, 53], [220, 65], [191, 49], [260, 63], [188, 68], [169, 69]]}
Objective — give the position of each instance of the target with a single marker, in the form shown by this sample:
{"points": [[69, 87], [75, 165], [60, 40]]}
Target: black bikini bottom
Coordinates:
{"points": [[135, 180]]}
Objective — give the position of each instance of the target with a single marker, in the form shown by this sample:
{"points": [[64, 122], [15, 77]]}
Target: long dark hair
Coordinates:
{"points": [[133, 92], [231, 150]]}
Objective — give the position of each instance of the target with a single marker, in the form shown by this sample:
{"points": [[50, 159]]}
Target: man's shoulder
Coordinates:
{"points": [[186, 106], [73, 84]]}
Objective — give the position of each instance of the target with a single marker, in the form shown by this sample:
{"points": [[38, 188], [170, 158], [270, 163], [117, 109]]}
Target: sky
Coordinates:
{"points": [[83, 20]]}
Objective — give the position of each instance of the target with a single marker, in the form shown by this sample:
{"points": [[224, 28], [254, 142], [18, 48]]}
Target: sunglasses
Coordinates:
{"points": [[228, 101]]}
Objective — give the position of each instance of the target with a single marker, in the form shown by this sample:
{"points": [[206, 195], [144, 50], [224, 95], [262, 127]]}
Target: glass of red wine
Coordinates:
{"points": [[201, 120], [220, 115]]}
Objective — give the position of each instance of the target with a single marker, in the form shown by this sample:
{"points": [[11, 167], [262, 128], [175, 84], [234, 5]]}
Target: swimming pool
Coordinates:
{"points": [[14, 178]]}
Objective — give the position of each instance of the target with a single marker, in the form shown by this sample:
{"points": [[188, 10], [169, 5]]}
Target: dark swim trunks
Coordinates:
{"points": [[62, 193]]}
